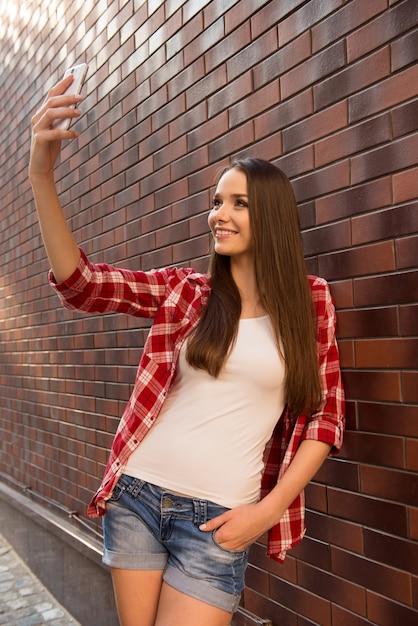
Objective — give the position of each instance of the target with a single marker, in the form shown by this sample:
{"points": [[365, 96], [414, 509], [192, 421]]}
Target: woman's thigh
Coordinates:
{"points": [[177, 608], [137, 595]]}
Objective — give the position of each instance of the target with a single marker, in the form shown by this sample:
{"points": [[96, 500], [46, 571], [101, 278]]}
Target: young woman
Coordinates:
{"points": [[237, 401]]}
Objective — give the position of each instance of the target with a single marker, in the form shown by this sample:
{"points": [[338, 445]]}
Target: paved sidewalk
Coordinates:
{"points": [[24, 601]]}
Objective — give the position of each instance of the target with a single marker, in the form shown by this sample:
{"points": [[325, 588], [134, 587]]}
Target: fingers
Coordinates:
{"points": [[214, 523], [60, 87], [57, 105]]}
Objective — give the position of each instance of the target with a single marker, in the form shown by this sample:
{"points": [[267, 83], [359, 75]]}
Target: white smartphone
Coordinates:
{"points": [[79, 72]]}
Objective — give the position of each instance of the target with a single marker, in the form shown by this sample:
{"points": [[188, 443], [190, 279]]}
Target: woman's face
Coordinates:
{"points": [[229, 219]]}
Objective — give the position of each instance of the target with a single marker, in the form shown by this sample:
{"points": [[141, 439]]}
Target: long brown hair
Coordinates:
{"points": [[282, 284]]}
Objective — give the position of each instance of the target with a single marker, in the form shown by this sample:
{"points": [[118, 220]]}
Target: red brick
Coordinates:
{"points": [[353, 139], [186, 78], [150, 26], [207, 86], [283, 60], [372, 385], [273, 13], [389, 517], [185, 251], [347, 357], [133, 23], [315, 608], [305, 18], [170, 69], [392, 419], [369, 196], [379, 578], [192, 205], [412, 456], [385, 94], [385, 611], [335, 531], [347, 618], [269, 148], [190, 120], [404, 50], [389, 484], [268, 609], [171, 193], [410, 387], [395, 288], [153, 143], [346, 19], [253, 53], [405, 185], [208, 131], [234, 140], [198, 225], [375, 449], [228, 95], [325, 239], [189, 163], [315, 127], [155, 181], [353, 78], [314, 69], [406, 252], [164, 32], [213, 45], [397, 155], [255, 103], [384, 224], [337, 590], [170, 153], [283, 114], [368, 323], [180, 40], [121, 16], [321, 182], [413, 517], [387, 26]]}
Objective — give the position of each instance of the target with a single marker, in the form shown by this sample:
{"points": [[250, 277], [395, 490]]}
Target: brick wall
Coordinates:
{"points": [[327, 89]]}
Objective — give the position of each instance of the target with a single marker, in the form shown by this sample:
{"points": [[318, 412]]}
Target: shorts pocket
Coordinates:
{"points": [[125, 484], [118, 490], [231, 552]]}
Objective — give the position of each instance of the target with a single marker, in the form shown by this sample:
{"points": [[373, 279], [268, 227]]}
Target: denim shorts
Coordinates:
{"points": [[149, 528]]}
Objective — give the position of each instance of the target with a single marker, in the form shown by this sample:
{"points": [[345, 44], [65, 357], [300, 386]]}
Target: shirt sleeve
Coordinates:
{"points": [[327, 423], [101, 288]]}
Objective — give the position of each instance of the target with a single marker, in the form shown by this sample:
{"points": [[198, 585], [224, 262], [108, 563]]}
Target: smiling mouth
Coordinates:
{"points": [[224, 233]]}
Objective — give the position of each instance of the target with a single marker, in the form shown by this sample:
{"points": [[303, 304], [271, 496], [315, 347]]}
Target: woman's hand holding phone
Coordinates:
{"points": [[50, 124]]}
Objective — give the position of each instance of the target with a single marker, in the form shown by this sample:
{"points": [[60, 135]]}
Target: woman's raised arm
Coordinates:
{"points": [[62, 250]]}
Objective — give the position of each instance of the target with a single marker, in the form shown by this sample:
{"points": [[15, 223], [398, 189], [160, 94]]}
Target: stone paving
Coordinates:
{"points": [[24, 601]]}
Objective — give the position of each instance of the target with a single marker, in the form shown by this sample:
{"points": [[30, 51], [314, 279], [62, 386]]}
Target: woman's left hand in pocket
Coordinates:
{"points": [[237, 528]]}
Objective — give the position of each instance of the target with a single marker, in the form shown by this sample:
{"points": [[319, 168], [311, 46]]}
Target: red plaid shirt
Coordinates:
{"points": [[175, 298]]}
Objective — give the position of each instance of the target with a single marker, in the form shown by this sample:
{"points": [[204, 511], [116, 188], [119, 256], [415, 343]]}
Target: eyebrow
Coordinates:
{"points": [[233, 195]]}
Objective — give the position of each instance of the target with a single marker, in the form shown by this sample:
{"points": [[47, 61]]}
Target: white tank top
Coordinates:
{"points": [[209, 438]]}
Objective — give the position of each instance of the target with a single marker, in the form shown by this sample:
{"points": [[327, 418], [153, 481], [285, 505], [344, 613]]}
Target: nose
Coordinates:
{"points": [[221, 213]]}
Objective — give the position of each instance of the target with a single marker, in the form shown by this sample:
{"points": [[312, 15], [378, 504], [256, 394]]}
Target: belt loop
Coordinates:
{"points": [[196, 512], [200, 511]]}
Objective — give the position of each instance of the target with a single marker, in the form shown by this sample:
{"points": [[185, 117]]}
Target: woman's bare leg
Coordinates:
{"points": [[177, 608], [137, 594]]}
